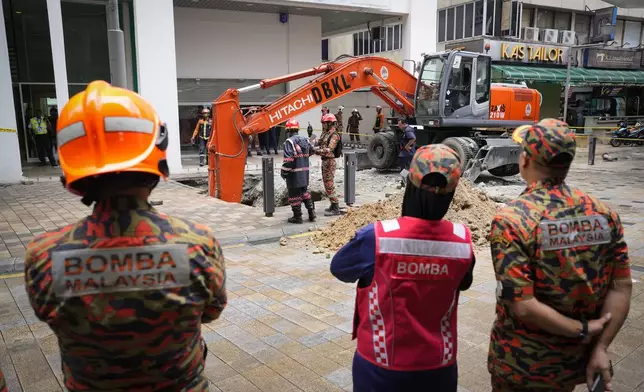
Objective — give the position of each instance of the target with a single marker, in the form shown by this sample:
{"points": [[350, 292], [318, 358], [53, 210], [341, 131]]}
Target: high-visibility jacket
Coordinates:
{"points": [[202, 129], [38, 125], [406, 319]]}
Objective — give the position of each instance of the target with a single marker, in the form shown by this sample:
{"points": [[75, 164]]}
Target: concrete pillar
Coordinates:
{"points": [[57, 38], [157, 67], [419, 32], [11, 171], [303, 53]]}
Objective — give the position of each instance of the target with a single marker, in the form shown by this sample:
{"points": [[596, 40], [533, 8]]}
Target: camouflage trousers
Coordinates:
{"points": [[328, 177], [500, 385]]}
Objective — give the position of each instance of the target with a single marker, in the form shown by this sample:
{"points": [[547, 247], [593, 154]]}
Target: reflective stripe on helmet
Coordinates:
{"points": [[129, 124], [70, 132]]}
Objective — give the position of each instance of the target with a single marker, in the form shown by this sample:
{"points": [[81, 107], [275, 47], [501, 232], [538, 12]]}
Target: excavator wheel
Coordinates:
{"points": [[383, 150], [461, 148], [505, 170]]}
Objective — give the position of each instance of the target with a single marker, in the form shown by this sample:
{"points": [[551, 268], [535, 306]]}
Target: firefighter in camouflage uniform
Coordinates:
{"points": [[563, 275], [327, 144], [295, 170], [127, 288]]}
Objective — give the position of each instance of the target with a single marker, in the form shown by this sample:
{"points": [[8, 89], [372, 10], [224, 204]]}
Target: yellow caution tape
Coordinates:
{"points": [[7, 130]]}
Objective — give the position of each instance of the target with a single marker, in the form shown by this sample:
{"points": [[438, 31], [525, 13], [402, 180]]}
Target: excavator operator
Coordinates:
{"points": [[327, 149], [295, 170], [126, 288], [202, 132]]}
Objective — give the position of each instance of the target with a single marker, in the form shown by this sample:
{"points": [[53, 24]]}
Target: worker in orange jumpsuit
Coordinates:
{"points": [[380, 120], [328, 148], [201, 134], [127, 288]]}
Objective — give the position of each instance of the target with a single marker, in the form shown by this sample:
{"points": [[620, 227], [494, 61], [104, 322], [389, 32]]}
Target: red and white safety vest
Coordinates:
{"points": [[406, 319]]}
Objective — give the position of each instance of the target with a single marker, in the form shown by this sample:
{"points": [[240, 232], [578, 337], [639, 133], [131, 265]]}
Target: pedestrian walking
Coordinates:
{"points": [[403, 343], [380, 120], [328, 149], [354, 125], [201, 135], [563, 275], [126, 289], [272, 139], [295, 170], [39, 125]]}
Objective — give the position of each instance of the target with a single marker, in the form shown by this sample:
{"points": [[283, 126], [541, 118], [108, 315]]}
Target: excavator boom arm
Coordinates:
{"points": [[227, 145]]}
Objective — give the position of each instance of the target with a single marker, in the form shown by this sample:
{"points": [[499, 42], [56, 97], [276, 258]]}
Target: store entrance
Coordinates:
{"points": [[33, 100]]}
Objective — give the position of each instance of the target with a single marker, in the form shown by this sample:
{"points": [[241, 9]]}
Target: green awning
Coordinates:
{"points": [[577, 75], [606, 76], [529, 73]]}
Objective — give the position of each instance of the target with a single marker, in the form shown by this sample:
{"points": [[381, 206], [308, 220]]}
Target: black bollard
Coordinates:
{"points": [[592, 145], [268, 183], [350, 163]]}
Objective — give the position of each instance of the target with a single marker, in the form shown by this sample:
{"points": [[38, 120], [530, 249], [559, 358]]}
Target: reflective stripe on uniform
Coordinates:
{"points": [[112, 124], [427, 248]]}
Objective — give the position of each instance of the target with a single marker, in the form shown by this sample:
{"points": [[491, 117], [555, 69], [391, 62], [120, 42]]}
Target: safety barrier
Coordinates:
{"points": [[268, 183], [350, 162]]}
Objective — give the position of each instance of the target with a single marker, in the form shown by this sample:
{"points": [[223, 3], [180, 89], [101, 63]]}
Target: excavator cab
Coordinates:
{"points": [[453, 89]]}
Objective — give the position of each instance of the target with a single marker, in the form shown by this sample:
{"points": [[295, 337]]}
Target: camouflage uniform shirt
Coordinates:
{"points": [[563, 247], [126, 290]]}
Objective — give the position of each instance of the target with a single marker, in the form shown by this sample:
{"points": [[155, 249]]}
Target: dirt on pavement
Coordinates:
{"points": [[470, 206]]}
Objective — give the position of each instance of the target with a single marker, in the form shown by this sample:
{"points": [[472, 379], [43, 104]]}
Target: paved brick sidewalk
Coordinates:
{"points": [[287, 328]]}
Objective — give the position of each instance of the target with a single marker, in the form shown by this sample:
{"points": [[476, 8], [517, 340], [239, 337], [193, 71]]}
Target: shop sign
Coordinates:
{"points": [[603, 17], [524, 52], [616, 59]]}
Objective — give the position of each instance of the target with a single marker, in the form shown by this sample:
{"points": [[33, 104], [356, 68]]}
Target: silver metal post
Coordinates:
{"points": [[116, 46], [567, 89], [268, 183], [350, 163], [592, 146]]}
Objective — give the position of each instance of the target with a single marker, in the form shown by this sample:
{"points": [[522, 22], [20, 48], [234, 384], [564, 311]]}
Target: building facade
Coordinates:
{"points": [[180, 54], [531, 41]]}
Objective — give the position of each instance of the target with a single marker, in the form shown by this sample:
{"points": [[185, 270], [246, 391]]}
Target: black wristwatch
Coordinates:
{"points": [[584, 330]]}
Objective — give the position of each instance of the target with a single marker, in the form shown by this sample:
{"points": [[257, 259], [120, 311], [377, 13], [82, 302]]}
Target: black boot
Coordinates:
{"points": [[297, 215], [333, 210], [310, 207]]}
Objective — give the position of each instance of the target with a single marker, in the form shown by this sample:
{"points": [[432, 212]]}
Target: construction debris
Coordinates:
{"points": [[470, 206]]}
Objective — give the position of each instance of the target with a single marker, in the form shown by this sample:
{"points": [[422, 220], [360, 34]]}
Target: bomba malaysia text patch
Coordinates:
{"points": [[109, 270], [574, 232]]}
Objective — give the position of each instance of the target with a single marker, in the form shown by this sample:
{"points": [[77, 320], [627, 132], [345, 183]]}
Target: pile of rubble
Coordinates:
{"points": [[470, 206]]}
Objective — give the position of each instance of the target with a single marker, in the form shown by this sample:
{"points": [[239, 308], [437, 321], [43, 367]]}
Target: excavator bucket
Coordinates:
{"points": [[499, 156]]}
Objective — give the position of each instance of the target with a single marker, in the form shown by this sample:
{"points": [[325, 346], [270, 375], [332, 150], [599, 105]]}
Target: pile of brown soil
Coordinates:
{"points": [[470, 207]]}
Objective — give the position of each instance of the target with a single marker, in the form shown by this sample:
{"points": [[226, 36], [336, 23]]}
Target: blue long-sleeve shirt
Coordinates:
{"points": [[355, 262]]}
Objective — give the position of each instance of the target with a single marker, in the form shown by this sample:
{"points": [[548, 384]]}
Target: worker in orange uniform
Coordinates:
{"points": [[329, 148], [380, 120], [410, 272], [325, 111], [563, 274], [202, 134], [127, 288], [295, 170]]}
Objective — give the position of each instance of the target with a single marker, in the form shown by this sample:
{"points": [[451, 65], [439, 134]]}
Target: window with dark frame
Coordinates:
{"points": [[460, 22], [450, 24], [442, 21]]}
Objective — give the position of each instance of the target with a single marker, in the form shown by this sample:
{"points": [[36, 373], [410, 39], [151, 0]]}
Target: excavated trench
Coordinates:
{"points": [[253, 190]]}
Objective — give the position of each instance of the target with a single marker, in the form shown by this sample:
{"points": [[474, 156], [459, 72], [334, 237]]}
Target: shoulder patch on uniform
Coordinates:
{"points": [[459, 230], [574, 232], [390, 225], [93, 271]]}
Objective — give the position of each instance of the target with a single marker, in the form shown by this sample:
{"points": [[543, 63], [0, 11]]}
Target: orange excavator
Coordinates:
{"points": [[452, 101]]}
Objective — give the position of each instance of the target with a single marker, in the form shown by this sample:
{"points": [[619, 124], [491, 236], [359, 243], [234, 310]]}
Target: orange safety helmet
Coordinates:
{"points": [[329, 117], [107, 129], [292, 124]]}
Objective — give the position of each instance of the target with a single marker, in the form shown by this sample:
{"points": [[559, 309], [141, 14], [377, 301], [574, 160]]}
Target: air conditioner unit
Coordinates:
{"points": [[530, 34], [567, 37], [550, 36]]}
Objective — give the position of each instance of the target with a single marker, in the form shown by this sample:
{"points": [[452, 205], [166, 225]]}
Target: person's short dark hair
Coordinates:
{"points": [[403, 120], [95, 187]]}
